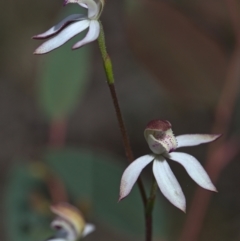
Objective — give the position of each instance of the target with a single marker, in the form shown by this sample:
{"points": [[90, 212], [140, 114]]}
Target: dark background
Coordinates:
{"points": [[174, 60]]}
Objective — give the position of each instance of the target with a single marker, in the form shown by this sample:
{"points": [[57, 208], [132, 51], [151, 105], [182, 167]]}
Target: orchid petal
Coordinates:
{"points": [[195, 139], [92, 35], [58, 27], [168, 183], [62, 37], [93, 7], [194, 169], [88, 229], [132, 173]]}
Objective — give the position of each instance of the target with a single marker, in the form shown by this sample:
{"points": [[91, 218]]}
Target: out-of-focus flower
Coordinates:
{"points": [[69, 223], [73, 25], [163, 143]]}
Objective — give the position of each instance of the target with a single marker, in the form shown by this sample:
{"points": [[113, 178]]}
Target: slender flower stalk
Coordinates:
{"points": [[149, 209], [110, 81]]}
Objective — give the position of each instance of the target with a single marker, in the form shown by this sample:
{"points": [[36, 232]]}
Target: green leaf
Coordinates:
{"points": [[63, 75], [22, 223]]}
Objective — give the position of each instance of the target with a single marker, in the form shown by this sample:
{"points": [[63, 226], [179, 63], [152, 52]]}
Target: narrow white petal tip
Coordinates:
{"points": [[120, 199], [125, 189], [38, 51], [42, 50], [218, 135], [196, 139], [212, 188], [209, 187], [34, 37], [123, 194], [89, 228], [74, 48], [215, 190], [180, 204], [40, 36], [214, 137], [183, 208]]}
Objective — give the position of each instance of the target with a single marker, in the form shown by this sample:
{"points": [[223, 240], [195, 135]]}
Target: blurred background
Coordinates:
{"points": [[59, 141]]}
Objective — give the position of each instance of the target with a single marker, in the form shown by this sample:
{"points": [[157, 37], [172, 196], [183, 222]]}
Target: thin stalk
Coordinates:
{"points": [[126, 143], [56, 189], [110, 81], [57, 138], [57, 133], [149, 209]]}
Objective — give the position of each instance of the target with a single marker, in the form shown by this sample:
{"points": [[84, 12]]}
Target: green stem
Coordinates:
{"points": [[149, 209], [110, 81], [106, 58]]}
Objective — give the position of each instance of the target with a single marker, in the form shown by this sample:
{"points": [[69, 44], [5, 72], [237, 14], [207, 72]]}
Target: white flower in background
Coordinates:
{"points": [[69, 223], [163, 143], [73, 25]]}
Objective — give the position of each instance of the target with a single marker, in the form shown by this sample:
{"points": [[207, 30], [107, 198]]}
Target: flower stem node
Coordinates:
{"points": [[73, 25], [69, 223], [163, 144]]}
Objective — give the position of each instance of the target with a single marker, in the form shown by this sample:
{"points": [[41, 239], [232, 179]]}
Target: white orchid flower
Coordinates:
{"points": [[163, 143], [73, 25], [69, 223]]}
